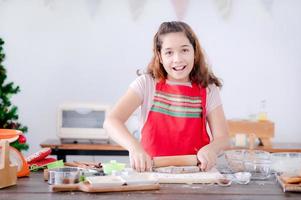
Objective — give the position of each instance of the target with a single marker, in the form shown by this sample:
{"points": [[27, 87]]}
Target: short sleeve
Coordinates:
{"points": [[144, 86], [138, 85], [213, 98]]}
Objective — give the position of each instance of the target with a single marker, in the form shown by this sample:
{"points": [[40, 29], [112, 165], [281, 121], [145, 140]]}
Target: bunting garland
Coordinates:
{"points": [[267, 4], [92, 6], [180, 7], [136, 8], [224, 7], [50, 4]]}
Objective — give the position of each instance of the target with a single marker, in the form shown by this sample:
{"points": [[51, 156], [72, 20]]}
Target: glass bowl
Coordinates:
{"points": [[235, 160], [256, 162], [286, 162]]}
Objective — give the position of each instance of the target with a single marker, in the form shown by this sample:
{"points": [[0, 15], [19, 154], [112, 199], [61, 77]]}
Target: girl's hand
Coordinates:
{"points": [[140, 160], [207, 158]]}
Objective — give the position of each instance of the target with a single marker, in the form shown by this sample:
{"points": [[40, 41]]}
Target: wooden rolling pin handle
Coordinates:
{"points": [[183, 160]]}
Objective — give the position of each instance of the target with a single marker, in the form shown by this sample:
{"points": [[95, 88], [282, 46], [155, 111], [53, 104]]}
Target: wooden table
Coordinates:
{"points": [[34, 188], [279, 147], [62, 150]]}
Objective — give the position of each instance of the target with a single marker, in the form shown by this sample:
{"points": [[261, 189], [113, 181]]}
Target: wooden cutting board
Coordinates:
{"points": [[288, 187], [87, 187]]}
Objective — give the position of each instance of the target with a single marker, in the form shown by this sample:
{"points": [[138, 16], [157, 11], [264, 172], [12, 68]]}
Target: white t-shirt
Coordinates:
{"points": [[145, 87]]}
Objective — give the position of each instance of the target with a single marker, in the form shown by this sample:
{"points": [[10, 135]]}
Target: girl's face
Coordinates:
{"points": [[177, 56]]}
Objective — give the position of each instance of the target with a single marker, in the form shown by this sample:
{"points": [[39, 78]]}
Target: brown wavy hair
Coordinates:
{"points": [[200, 72]]}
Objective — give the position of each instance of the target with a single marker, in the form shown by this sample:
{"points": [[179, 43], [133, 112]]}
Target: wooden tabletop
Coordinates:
{"points": [[56, 144], [278, 147], [34, 188]]}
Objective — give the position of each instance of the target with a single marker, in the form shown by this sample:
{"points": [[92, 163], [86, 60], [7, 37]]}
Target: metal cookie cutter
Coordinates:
{"points": [[64, 175]]}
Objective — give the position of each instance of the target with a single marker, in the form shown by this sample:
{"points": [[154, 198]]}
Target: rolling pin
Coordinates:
{"points": [[183, 160]]}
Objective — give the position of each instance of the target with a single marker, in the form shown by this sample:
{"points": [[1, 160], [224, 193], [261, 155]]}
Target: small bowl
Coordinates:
{"points": [[242, 177], [257, 162], [260, 170], [224, 181]]}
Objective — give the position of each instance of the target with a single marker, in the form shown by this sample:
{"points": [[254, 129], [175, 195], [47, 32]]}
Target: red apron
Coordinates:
{"points": [[176, 123]]}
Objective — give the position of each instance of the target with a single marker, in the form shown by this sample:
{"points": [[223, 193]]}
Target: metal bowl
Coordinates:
{"points": [[64, 175]]}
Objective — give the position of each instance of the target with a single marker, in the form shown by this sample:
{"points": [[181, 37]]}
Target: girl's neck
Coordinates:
{"points": [[172, 82]]}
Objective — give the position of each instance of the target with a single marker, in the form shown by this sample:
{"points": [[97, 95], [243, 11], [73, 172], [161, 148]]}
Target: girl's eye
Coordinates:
{"points": [[168, 53], [185, 50]]}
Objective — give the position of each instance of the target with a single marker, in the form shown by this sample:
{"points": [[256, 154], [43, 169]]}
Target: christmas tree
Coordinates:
{"points": [[9, 112]]}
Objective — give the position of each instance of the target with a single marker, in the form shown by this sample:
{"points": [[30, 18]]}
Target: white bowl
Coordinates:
{"points": [[286, 162]]}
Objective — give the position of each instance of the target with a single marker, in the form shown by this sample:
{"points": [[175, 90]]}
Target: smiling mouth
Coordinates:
{"points": [[179, 68]]}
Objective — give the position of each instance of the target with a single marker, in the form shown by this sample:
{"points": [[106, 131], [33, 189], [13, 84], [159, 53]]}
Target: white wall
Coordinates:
{"points": [[66, 50]]}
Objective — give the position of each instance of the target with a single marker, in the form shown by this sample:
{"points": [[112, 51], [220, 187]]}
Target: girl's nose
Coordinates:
{"points": [[177, 57]]}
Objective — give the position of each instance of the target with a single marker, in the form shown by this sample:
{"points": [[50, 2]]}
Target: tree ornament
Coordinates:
{"points": [[22, 139]]}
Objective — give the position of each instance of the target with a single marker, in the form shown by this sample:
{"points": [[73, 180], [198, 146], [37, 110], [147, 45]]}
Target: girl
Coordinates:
{"points": [[177, 96]]}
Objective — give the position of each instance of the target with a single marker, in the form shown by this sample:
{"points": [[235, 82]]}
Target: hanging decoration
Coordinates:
{"points": [[93, 6], [224, 7], [2, 1], [267, 4], [180, 7], [136, 8], [50, 4]]}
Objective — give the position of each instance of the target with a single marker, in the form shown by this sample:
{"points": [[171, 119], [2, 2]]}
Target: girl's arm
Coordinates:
{"points": [[218, 126], [115, 126]]}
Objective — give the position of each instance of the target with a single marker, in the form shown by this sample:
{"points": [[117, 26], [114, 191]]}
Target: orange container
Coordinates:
{"points": [[16, 157], [9, 133]]}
